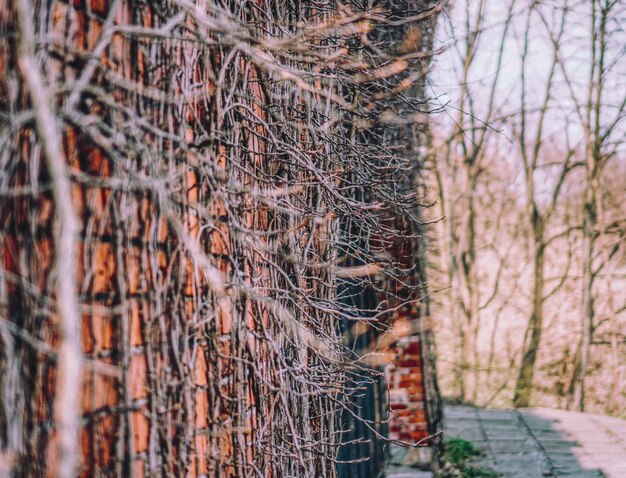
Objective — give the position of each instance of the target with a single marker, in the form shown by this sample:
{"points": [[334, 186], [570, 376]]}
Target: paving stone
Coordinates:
{"points": [[561, 447], [616, 462], [499, 434], [516, 474], [519, 465], [448, 425], [467, 434], [616, 470], [589, 461], [569, 467], [557, 443], [510, 446], [606, 447], [459, 413], [550, 434], [499, 421], [583, 474], [529, 443], [587, 437], [462, 424], [507, 417], [539, 425], [462, 420], [610, 421]]}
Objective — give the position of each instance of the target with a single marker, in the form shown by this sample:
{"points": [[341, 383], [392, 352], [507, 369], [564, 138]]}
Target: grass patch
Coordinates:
{"points": [[459, 454]]}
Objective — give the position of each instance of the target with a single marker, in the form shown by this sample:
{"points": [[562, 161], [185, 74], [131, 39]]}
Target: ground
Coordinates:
{"points": [[539, 442]]}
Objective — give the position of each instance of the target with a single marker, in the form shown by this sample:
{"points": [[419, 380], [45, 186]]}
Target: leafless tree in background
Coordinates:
{"points": [[538, 215], [539, 92], [599, 112], [458, 165]]}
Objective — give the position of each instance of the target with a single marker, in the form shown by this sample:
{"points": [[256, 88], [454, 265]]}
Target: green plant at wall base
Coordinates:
{"points": [[459, 453]]}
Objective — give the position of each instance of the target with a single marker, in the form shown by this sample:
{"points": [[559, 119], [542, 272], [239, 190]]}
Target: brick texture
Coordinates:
{"points": [[409, 421]]}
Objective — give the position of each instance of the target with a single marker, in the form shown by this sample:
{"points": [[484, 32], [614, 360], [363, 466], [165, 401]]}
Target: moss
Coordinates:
{"points": [[459, 454]]}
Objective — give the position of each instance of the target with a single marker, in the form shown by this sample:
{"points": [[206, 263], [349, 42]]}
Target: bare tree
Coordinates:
{"points": [[600, 114], [460, 161], [538, 215], [513, 219]]}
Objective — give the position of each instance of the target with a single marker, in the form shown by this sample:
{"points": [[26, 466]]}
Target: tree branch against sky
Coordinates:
{"points": [[522, 120]]}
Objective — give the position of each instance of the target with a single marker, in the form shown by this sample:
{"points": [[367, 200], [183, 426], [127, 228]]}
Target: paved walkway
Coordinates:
{"points": [[531, 443]]}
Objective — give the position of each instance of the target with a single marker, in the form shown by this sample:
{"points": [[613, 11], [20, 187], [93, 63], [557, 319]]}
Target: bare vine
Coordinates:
{"points": [[237, 178]]}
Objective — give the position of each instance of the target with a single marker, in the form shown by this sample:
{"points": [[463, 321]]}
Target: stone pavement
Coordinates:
{"points": [[531, 443], [579, 444]]}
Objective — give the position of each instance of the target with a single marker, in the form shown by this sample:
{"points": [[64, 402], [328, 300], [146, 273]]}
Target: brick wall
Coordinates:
{"points": [[406, 392], [180, 376]]}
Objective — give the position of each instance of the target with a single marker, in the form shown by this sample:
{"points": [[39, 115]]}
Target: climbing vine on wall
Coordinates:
{"points": [[184, 188]]}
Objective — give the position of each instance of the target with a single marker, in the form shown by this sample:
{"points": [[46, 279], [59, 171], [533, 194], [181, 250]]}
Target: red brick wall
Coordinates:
{"points": [[406, 392]]}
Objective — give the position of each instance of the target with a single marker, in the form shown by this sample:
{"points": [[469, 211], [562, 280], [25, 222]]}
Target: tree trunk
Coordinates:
{"points": [[587, 312], [524, 385]]}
